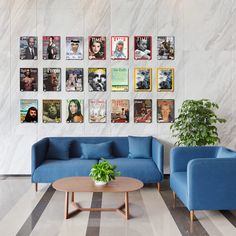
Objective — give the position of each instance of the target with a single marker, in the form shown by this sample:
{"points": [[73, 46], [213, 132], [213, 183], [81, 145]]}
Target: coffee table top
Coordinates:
{"points": [[86, 184]]}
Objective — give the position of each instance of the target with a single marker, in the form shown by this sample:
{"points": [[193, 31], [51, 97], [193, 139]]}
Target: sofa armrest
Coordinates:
{"points": [[211, 183], [180, 156], [38, 153], [158, 154]]}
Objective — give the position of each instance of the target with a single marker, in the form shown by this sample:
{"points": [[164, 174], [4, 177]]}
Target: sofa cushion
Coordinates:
{"points": [[142, 169], [58, 149], [51, 170], [178, 183], [96, 151], [140, 147]]}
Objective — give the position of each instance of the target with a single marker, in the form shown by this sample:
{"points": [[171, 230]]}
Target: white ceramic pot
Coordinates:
{"points": [[100, 183]]}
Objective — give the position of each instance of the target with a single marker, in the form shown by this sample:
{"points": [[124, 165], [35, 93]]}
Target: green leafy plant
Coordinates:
{"points": [[195, 125], [104, 171]]}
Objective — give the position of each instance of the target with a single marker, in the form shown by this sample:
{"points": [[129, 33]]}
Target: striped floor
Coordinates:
{"points": [[24, 212]]}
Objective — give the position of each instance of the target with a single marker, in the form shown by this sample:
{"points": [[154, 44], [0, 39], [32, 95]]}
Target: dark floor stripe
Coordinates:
{"points": [[180, 213], [94, 217], [230, 215], [32, 220]]}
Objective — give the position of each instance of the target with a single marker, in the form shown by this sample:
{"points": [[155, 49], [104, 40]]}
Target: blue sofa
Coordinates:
{"points": [[204, 177], [47, 169]]}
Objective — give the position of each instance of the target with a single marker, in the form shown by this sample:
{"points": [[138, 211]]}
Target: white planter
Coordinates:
{"points": [[100, 183]]}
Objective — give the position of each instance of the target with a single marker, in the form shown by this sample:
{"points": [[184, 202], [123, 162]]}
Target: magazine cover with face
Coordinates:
{"points": [[28, 48], [28, 79], [75, 111], [51, 47], [143, 79], [97, 48], [29, 111], [52, 111], [51, 79], [97, 111], [143, 110], [120, 79], [74, 48], [165, 110], [142, 47], [165, 48], [119, 47], [119, 110], [165, 79], [97, 79], [74, 79]]}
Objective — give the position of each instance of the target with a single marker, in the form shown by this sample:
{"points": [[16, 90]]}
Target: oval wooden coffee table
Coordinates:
{"points": [[86, 184]]}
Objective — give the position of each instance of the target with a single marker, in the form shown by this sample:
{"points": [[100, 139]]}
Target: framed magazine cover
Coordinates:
{"points": [[119, 47], [165, 110], [96, 48], [143, 47], [142, 79], [165, 79]]}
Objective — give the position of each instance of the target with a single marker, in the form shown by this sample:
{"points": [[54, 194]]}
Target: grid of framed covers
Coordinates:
{"points": [[97, 80]]}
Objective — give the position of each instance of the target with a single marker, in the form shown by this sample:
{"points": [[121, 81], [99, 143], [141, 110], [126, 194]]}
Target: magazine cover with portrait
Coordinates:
{"points": [[165, 48], [74, 111], [143, 79], [97, 48], [74, 79], [51, 79], [97, 79], [51, 47], [74, 48], [97, 111], [165, 79], [28, 79], [29, 111], [119, 110], [51, 111], [142, 47], [165, 110], [143, 110], [119, 47], [120, 79], [28, 48]]}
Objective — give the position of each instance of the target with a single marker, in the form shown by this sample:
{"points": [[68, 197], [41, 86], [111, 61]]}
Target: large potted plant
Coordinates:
{"points": [[103, 172], [195, 125]]}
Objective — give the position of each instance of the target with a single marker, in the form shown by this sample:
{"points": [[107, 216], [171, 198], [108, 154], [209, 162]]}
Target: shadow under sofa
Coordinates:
{"points": [[46, 168]]}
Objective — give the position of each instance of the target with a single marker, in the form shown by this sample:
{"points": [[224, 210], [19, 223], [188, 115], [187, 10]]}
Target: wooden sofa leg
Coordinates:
{"points": [[174, 195], [192, 215], [158, 187], [36, 187]]}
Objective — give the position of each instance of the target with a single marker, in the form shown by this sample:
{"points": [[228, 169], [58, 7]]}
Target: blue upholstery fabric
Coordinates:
{"points": [[46, 170], [225, 152], [142, 169], [58, 149], [140, 147], [210, 182], [52, 170], [96, 151], [178, 183]]}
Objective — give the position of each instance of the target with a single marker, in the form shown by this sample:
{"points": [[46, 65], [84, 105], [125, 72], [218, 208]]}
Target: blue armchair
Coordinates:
{"points": [[204, 178]]}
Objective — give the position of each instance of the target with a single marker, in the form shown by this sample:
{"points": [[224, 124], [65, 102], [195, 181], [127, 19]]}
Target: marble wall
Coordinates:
{"points": [[205, 63]]}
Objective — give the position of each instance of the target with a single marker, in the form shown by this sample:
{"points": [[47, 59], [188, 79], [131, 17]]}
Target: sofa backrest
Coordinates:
{"points": [[225, 152], [120, 145]]}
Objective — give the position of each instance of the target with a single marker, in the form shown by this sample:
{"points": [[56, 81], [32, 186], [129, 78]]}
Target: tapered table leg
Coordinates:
{"points": [[66, 205], [72, 197], [126, 205]]}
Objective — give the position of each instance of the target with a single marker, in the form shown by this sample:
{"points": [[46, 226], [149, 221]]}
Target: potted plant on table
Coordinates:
{"points": [[103, 172], [195, 125]]}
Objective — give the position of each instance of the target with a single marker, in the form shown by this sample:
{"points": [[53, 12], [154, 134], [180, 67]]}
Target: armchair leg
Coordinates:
{"points": [[36, 187], [192, 215], [158, 187]]}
